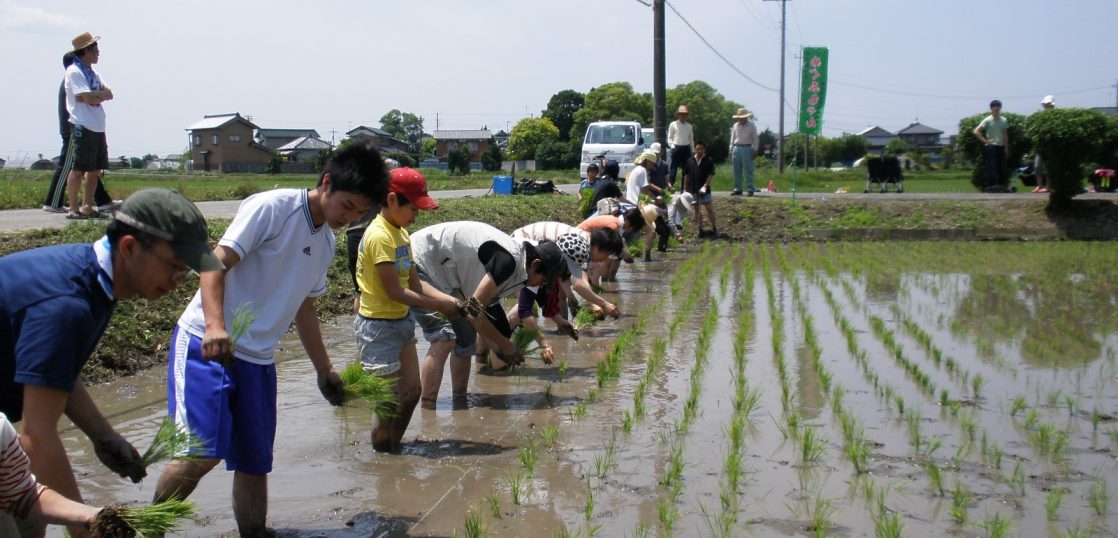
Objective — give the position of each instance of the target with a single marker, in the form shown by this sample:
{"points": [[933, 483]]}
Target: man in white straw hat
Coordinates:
{"points": [[681, 136], [89, 152], [743, 148]]}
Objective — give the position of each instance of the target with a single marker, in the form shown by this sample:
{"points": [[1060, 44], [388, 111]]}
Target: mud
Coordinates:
{"points": [[1033, 321]]}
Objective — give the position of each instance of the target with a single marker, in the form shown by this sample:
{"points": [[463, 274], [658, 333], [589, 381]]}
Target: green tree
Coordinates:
{"points": [[491, 159], [612, 101], [767, 138], [458, 160], [561, 110], [947, 153], [403, 126], [557, 156], [320, 159], [896, 147], [711, 114], [427, 147], [150, 157], [136, 162], [974, 152], [528, 134], [1066, 139], [275, 163]]}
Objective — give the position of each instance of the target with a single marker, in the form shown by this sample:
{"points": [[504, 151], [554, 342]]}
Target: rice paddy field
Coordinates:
{"points": [[822, 389]]}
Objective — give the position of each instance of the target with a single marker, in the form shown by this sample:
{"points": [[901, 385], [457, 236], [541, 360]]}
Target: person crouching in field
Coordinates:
{"points": [[390, 285]]}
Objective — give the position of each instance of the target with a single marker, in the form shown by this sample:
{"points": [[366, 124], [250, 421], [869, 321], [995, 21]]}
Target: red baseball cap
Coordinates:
{"points": [[410, 183]]}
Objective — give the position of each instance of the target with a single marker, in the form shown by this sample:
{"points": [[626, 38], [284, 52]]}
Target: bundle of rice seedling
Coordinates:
{"points": [[171, 441], [525, 340], [585, 317], [376, 390], [243, 318], [152, 520]]}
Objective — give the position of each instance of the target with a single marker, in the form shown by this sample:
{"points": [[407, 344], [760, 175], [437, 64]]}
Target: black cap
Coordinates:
{"points": [[168, 215]]}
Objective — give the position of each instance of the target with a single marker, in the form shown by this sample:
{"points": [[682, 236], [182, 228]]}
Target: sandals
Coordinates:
{"points": [[74, 215]]}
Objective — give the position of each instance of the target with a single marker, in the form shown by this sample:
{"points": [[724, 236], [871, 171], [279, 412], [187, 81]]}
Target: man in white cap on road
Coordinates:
{"points": [[1048, 103], [681, 136], [743, 148]]}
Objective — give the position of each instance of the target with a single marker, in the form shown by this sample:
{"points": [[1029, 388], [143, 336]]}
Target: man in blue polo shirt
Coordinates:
{"points": [[152, 244]]}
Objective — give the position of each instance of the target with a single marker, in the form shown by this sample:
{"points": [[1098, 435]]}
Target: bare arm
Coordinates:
{"points": [[42, 407], [485, 292], [215, 343], [414, 295], [96, 97], [979, 133], [310, 334], [52, 508], [110, 447], [582, 287]]}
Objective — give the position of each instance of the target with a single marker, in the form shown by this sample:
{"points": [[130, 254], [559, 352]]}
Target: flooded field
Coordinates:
{"points": [[846, 389]]}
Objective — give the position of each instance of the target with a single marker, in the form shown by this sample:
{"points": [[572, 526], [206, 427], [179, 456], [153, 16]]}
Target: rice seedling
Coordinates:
{"points": [[592, 395], [996, 526], [1054, 397], [642, 530], [819, 513], [578, 412], [1052, 503], [943, 398], [887, 525], [528, 456], [668, 515], [585, 318], [547, 391], [1017, 406], [960, 501], [377, 391], [588, 506], [1096, 417], [171, 441], [627, 422], [243, 318], [517, 483], [996, 456], [977, 382], [561, 370], [1073, 405], [150, 520], [1032, 416], [474, 528], [935, 478], [858, 451], [1017, 479], [1097, 497], [811, 445], [548, 434], [493, 503], [1042, 439], [675, 466]]}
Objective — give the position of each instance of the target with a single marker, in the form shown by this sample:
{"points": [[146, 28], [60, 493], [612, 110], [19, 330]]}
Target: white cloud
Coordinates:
{"points": [[16, 16]]}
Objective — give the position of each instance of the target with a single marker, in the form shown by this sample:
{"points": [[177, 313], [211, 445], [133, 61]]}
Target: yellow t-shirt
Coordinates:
{"points": [[382, 243]]}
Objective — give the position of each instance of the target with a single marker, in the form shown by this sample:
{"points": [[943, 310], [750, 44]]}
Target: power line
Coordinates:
{"points": [[966, 97], [770, 25], [715, 51]]}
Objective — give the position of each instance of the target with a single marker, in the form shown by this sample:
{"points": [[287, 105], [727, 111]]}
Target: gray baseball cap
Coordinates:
{"points": [[168, 215]]}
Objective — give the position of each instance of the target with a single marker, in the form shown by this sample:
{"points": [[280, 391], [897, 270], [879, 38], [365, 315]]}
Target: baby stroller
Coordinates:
{"points": [[882, 171]]}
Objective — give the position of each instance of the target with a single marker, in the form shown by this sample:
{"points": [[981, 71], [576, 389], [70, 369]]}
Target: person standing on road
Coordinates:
{"points": [[696, 180], [53, 202], [276, 254], [743, 148], [89, 151], [681, 136], [154, 241], [993, 131], [1048, 103]]}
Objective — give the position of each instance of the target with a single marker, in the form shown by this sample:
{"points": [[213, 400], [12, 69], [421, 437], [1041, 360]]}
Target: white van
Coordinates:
{"points": [[618, 140]]}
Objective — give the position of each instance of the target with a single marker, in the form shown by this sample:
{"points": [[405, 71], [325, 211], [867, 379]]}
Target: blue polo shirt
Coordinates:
{"points": [[55, 303]]}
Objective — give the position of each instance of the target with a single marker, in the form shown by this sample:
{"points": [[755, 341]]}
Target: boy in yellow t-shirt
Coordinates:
{"points": [[390, 285]]}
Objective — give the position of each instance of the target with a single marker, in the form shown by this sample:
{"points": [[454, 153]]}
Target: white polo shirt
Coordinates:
{"points": [[284, 259], [91, 117]]}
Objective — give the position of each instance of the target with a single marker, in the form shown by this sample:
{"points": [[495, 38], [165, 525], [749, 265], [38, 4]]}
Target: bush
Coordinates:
{"points": [[972, 150], [1067, 139], [557, 156], [491, 159], [458, 160]]}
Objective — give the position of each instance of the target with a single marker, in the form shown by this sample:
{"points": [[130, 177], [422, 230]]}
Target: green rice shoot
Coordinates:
{"points": [[524, 339], [243, 318], [157, 519], [585, 318], [361, 385], [171, 441]]}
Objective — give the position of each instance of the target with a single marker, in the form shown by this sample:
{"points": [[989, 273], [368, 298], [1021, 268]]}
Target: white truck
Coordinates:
{"points": [[617, 140]]}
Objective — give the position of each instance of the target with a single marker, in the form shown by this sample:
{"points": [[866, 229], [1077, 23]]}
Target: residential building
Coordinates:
{"points": [[877, 138], [921, 137], [303, 150], [277, 138], [225, 143], [502, 139], [2, 163], [477, 141], [380, 139]]}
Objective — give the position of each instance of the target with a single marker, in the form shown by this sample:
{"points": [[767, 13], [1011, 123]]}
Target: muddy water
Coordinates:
{"points": [[890, 321]]}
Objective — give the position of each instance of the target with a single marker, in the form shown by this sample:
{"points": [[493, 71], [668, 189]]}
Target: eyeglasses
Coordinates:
{"points": [[177, 272]]}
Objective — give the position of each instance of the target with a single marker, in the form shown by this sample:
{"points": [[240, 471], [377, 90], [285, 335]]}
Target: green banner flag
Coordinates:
{"points": [[813, 90]]}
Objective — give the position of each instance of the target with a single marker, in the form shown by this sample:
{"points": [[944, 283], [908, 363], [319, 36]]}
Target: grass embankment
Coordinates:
{"points": [[26, 189], [138, 335]]}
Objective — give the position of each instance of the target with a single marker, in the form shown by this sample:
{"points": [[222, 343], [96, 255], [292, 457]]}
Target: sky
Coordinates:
{"points": [[334, 65]]}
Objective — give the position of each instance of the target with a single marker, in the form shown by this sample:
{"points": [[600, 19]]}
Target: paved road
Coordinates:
{"points": [[16, 220]]}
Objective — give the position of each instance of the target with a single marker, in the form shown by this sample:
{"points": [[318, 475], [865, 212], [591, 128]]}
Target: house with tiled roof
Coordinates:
{"points": [[225, 143], [921, 137], [277, 138], [477, 141], [876, 138], [379, 138]]}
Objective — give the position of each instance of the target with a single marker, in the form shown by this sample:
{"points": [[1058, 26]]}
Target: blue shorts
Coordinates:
{"points": [[233, 411], [380, 342]]}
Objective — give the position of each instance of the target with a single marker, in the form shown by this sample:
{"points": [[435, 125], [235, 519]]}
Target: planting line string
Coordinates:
{"points": [[465, 471]]}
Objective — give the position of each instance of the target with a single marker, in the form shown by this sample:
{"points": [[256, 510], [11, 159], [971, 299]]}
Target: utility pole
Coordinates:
{"points": [[780, 137], [659, 92]]}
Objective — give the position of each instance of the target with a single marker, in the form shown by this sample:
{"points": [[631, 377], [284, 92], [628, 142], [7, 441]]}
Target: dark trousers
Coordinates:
{"points": [[995, 166], [680, 154], [56, 193]]}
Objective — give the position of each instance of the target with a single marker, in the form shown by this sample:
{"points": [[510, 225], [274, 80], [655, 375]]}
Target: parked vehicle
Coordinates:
{"points": [[617, 140]]}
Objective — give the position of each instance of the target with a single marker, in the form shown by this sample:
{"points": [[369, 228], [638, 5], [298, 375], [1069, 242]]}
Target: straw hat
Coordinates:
{"points": [[648, 211], [1048, 100], [682, 110], [742, 114], [649, 156], [84, 40]]}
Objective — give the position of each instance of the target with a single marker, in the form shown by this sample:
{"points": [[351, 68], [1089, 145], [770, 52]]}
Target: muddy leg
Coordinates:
{"points": [[431, 376], [459, 374], [250, 503], [180, 477], [407, 396]]}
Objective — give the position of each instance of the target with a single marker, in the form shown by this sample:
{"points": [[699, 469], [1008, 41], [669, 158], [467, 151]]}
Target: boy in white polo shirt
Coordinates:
{"points": [[276, 253], [389, 284]]}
